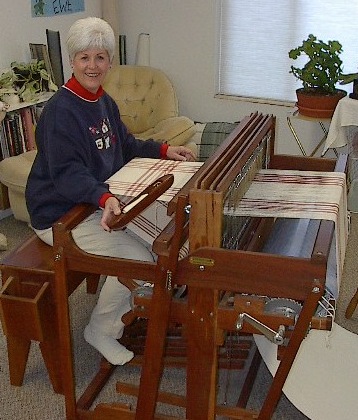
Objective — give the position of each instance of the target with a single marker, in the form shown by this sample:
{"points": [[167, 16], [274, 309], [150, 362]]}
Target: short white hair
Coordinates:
{"points": [[90, 32]]}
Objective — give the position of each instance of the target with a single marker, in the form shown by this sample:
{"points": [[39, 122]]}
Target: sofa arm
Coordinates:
{"points": [[14, 172]]}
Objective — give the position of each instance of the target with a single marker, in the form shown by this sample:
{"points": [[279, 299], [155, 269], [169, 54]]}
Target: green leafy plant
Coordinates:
{"points": [[27, 80], [323, 69], [7, 83]]}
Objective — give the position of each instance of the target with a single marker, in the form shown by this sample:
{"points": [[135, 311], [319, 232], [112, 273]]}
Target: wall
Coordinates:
{"points": [[183, 44], [18, 28]]}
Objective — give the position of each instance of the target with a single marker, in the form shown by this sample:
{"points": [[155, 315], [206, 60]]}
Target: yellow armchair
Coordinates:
{"points": [[148, 105]]}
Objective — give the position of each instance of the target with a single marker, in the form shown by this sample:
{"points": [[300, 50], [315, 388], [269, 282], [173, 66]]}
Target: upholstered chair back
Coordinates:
{"points": [[144, 95]]}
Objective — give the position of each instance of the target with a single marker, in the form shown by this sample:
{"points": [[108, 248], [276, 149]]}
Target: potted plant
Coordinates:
{"points": [[7, 90], [319, 95], [31, 79], [25, 81]]}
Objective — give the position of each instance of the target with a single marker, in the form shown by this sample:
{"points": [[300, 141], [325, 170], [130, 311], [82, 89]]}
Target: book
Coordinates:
{"points": [[28, 120], [8, 129], [15, 134], [4, 141]]}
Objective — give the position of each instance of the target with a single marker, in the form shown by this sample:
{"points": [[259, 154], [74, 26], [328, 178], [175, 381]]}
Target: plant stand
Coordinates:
{"points": [[295, 115]]}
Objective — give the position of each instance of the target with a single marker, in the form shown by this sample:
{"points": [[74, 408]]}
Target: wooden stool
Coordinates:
{"points": [[28, 310]]}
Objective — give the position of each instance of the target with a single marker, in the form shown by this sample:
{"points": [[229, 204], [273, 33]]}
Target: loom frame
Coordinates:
{"points": [[205, 322]]}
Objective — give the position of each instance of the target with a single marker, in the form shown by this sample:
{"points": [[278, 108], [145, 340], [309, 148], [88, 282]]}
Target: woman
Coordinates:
{"points": [[81, 142]]}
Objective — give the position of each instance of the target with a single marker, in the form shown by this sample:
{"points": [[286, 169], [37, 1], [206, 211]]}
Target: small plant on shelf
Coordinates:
{"points": [[25, 81], [7, 89]]}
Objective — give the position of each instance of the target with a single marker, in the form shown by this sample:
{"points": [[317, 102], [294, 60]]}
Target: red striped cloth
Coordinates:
{"points": [[298, 194], [138, 174]]}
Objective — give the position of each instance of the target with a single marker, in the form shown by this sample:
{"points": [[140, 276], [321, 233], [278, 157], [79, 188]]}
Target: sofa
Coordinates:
{"points": [[149, 107]]}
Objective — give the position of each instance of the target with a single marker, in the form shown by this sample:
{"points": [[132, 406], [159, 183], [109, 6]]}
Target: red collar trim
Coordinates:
{"points": [[74, 86]]}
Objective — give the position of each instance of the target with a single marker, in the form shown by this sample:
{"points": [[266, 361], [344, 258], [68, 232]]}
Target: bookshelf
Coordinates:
{"points": [[17, 132], [40, 99]]}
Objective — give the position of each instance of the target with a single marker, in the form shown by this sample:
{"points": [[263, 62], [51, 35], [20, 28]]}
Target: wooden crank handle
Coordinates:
{"points": [[141, 201], [352, 305]]}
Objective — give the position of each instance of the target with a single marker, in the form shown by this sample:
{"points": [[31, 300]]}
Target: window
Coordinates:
{"points": [[255, 38]]}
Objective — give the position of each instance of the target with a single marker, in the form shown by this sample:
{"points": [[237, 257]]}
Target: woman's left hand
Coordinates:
{"points": [[180, 153]]}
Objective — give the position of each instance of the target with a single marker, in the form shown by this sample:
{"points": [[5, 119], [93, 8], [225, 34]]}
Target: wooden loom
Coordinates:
{"points": [[222, 284]]}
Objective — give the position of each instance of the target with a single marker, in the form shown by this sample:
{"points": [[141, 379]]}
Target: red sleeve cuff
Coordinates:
{"points": [[163, 150], [103, 199]]}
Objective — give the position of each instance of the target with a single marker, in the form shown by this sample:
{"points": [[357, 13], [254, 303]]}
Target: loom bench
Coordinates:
{"points": [[28, 309]]}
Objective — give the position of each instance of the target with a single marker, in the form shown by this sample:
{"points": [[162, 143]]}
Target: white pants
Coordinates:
{"points": [[114, 298]]}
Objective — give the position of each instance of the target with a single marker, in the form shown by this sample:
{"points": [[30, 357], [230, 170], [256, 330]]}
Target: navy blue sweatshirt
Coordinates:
{"points": [[81, 142]]}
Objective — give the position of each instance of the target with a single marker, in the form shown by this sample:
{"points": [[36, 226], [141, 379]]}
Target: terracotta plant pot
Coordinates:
{"points": [[314, 104]]}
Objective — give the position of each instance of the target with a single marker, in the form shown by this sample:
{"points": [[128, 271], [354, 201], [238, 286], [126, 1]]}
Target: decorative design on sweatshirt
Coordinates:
{"points": [[103, 135]]}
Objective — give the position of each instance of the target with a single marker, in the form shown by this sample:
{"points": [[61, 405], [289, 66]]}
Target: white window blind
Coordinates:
{"points": [[255, 37]]}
